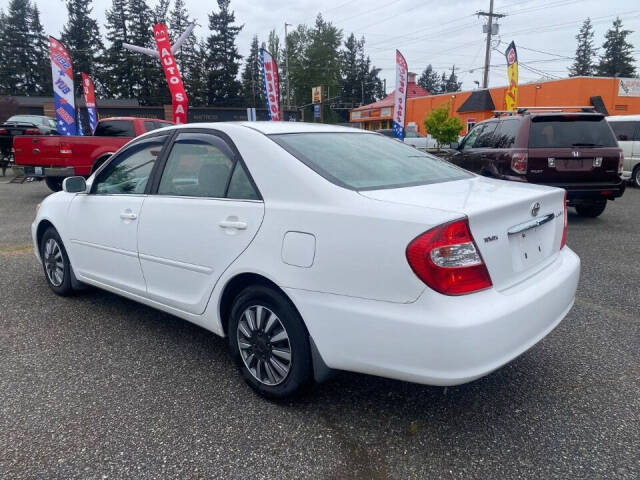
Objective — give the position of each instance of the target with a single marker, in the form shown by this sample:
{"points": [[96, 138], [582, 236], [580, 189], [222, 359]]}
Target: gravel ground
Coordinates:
{"points": [[97, 386]]}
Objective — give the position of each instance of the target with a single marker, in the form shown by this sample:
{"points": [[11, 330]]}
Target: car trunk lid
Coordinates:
{"points": [[517, 227]]}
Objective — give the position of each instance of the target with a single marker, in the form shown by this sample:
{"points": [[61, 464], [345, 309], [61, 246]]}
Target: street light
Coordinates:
{"points": [[286, 62]]}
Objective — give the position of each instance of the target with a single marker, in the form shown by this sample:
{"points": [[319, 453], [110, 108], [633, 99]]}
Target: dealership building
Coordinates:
{"points": [[611, 96]]}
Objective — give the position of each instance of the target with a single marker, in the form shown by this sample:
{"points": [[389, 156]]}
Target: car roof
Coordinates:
{"points": [[269, 128], [624, 118]]}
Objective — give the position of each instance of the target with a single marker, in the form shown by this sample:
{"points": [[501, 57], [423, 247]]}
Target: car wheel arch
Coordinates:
{"points": [[42, 227]]}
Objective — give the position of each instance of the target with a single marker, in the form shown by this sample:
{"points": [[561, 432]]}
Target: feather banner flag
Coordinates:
{"points": [[90, 101], [271, 85], [400, 100], [63, 96], [511, 95]]}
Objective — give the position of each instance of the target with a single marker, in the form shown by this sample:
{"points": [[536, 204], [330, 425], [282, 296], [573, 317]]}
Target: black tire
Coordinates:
{"points": [[591, 210], [54, 183], [635, 176], [50, 246], [299, 368]]}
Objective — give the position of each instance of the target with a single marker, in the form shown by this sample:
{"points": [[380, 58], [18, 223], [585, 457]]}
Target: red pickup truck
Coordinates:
{"points": [[56, 157]]}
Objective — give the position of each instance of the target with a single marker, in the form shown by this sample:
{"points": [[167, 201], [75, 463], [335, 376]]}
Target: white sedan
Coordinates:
{"points": [[315, 248]]}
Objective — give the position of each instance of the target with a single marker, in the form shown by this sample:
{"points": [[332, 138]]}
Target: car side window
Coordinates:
{"points": [[470, 139], [128, 173], [199, 165], [626, 131], [505, 134], [240, 186]]}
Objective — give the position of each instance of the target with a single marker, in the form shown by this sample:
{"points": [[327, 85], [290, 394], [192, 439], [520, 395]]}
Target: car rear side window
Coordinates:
{"points": [[505, 134], [626, 131], [570, 131], [362, 161], [199, 165], [115, 128]]}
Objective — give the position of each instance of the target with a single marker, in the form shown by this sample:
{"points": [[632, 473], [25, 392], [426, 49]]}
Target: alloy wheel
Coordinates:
{"points": [[53, 262], [264, 345]]}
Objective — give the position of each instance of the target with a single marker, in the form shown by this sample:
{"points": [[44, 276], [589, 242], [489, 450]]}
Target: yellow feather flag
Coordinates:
{"points": [[511, 95]]}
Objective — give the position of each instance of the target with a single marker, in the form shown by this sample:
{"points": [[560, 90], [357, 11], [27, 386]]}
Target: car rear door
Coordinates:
{"points": [[627, 133], [204, 212], [572, 148], [103, 226]]}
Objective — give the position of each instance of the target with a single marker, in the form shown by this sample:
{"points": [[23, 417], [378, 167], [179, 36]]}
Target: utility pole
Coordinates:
{"points": [[487, 55], [286, 62]]}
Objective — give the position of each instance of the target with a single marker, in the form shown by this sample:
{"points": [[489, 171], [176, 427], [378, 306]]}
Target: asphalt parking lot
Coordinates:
{"points": [[97, 386]]}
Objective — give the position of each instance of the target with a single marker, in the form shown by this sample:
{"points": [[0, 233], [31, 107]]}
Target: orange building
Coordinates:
{"points": [[611, 96]]}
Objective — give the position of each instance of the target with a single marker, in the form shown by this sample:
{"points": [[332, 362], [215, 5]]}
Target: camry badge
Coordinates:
{"points": [[535, 208]]}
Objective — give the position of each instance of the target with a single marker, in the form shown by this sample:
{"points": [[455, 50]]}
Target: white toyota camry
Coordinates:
{"points": [[314, 248]]}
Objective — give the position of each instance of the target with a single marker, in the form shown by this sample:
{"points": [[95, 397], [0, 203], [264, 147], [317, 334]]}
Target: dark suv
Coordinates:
{"points": [[576, 151]]}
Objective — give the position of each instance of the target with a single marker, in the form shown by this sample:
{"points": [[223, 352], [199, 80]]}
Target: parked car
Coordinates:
{"points": [[22, 125], [56, 158], [315, 247], [576, 151], [627, 130], [415, 139]]}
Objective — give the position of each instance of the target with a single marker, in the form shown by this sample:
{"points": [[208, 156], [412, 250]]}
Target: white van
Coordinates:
{"points": [[627, 131]]}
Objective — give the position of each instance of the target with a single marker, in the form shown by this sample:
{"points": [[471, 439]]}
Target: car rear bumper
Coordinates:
{"points": [[578, 193], [33, 171], [440, 340]]}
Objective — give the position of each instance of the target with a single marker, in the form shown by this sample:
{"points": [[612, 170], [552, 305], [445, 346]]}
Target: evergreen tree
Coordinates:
{"points": [[252, 90], [196, 82], [452, 84], [429, 80], [443, 83], [190, 57], [81, 37], [41, 65], [118, 62], [297, 43], [585, 52], [147, 80], [360, 81], [3, 71], [222, 63], [617, 59], [18, 49], [161, 12]]}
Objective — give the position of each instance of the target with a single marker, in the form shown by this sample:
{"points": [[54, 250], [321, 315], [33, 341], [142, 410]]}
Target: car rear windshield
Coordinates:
{"points": [[362, 161], [115, 128], [27, 119], [570, 132]]}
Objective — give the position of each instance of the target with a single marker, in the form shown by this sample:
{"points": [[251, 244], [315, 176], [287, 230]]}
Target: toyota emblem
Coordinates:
{"points": [[535, 208]]}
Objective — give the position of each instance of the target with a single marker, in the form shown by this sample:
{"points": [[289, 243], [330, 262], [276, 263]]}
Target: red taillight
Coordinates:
{"points": [[621, 163], [32, 131], [447, 260], [519, 161], [4, 131], [563, 242], [65, 148]]}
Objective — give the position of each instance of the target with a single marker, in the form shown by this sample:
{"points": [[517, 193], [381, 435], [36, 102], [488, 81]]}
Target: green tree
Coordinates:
{"points": [[18, 50], [360, 81], [223, 59], [430, 81], [3, 54], [300, 79], [583, 63], [442, 127], [82, 39], [252, 77], [161, 11], [617, 59], [451, 84], [118, 62], [41, 65]]}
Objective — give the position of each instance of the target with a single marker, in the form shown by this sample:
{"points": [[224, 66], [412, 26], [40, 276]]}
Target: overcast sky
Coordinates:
{"points": [[440, 32]]}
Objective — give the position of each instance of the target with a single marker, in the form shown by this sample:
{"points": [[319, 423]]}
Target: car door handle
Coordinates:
{"points": [[128, 215], [234, 224]]}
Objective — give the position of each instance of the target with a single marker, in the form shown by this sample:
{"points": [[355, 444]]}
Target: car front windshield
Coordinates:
{"points": [[362, 161]]}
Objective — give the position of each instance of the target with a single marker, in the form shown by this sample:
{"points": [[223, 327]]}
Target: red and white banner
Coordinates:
{"points": [[271, 84], [62, 76], [90, 101], [179, 99], [400, 100]]}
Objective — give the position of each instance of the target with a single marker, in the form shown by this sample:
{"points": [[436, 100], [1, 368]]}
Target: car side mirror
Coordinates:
{"points": [[74, 185], [454, 145]]}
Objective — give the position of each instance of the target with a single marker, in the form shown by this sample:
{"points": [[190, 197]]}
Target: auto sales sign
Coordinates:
{"points": [[271, 85], [400, 100]]}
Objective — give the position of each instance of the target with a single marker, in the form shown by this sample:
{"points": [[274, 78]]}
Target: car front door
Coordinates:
{"points": [[466, 156], [204, 212], [104, 222]]}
